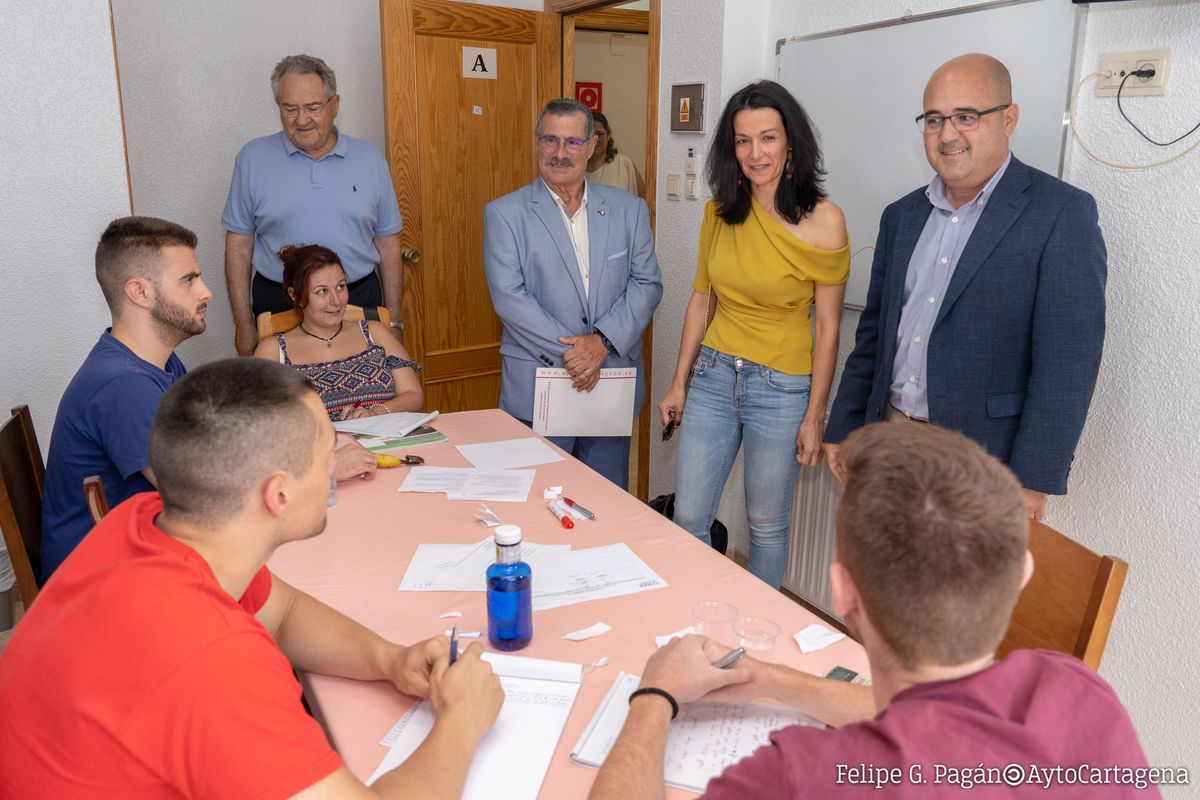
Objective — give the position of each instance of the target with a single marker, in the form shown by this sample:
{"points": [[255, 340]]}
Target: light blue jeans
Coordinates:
{"points": [[733, 400]]}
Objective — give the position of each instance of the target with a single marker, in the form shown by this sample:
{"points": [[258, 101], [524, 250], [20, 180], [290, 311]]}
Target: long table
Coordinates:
{"points": [[357, 564]]}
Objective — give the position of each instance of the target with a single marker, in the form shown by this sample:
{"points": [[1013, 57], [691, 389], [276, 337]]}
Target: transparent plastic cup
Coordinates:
{"points": [[756, 634], [714, 619]]}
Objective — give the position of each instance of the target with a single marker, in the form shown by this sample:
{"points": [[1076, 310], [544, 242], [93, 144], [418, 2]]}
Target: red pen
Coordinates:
{"points": [[563, 517]]}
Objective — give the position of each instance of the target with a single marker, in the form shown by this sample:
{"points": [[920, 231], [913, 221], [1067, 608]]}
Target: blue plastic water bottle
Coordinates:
{"points": [[509, 593]]}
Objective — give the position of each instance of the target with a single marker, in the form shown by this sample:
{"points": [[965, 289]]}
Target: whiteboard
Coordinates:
{"points": [[863, 86]]}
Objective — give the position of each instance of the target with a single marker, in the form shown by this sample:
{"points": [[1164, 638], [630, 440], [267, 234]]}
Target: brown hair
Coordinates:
{"points": [[222, 428], [301, 261], [933, 530], [129, 248]]}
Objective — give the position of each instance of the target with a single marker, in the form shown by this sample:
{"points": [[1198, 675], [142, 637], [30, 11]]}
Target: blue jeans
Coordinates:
{"points": [[734, 400]]}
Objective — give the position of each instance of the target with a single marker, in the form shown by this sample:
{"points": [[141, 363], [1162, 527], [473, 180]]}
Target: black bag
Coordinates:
{"points": [[665, 505]]}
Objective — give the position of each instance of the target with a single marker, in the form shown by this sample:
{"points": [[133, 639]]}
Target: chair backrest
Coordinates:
{"points": [[97, 501], [281, 322], [1069, 602], [22, 474]]}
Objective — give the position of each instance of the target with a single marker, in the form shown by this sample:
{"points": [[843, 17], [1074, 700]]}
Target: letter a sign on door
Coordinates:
{"points": [[479, 62]]}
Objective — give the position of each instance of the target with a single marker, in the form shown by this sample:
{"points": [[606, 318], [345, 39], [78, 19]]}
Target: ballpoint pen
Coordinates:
{"points": [[579, 508], [454, 644], [564, 518], [729, 659]]}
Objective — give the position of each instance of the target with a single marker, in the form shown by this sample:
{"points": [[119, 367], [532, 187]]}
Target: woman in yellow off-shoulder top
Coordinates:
{"points": [[772, 249]]}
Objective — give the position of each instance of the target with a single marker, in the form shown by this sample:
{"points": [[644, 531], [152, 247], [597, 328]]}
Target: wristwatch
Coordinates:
{"points": [[609, 346]]}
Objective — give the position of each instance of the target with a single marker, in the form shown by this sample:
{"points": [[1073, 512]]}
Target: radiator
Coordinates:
{"points": [[812, 536]]}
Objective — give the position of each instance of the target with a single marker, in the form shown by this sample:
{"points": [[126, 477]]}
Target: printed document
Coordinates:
{"points": [[607, 410], [704, 740], [591, 574], [463, 567], [396, 424], [464, 483], [516, 752]]}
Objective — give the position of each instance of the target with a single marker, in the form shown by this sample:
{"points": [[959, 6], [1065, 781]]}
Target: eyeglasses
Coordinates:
{"points": [[931, 122], [548, 143], [311, 109]]}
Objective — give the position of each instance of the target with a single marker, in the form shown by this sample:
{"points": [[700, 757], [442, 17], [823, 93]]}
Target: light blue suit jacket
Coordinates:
{"points": [[538, 292]]}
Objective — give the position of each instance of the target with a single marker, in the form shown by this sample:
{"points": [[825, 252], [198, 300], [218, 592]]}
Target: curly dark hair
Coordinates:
{"points": [[794, 198], [610, 151]]}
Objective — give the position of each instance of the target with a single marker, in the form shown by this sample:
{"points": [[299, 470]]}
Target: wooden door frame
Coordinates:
{"points": [[570, 10]]}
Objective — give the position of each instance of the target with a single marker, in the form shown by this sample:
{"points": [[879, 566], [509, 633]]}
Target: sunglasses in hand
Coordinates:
{"points": [[672, 424]]}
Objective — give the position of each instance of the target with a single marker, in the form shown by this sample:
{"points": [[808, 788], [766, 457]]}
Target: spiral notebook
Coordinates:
{"points": [[704, 740]]}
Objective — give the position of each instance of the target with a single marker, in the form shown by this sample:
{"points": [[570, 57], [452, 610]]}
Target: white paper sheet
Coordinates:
{"points": [[464, 483], [591, 574], [516, 752], [704, 740], [508, 454], [607, 410], [815, 637], [463, 567], [396, 424]]}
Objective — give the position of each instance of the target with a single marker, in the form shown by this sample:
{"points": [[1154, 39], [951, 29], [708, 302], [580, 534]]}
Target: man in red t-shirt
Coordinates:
{"points": [[157, 662], [932, 538]]}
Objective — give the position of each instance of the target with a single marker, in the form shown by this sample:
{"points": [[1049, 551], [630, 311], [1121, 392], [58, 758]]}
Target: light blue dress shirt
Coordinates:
{"points": [[946, 233], [281, 195]]}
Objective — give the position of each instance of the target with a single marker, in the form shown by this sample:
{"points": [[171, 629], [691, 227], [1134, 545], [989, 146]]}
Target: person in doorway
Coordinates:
{"points": [[609, 167], [574, 278]]}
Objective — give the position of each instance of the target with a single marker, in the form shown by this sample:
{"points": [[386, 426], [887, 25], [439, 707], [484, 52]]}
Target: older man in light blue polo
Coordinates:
{"points": [[309, 184]]}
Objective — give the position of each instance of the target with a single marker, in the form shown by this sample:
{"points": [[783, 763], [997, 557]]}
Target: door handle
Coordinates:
{"points": [[411, 256]]}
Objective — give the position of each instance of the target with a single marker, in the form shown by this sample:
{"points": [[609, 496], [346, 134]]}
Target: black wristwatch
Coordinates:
{"points": [[609, 346]]}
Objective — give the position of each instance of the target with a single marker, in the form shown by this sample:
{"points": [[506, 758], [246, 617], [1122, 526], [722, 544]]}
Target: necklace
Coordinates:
{"points": [[328, 342]]}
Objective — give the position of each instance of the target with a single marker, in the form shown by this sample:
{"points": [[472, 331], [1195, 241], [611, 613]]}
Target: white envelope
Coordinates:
{"points": [[607, 410]]}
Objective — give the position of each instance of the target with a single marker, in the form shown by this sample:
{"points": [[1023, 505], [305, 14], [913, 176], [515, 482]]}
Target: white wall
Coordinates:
{"points": [[63, 162], [618, 61], [1134, 490]]}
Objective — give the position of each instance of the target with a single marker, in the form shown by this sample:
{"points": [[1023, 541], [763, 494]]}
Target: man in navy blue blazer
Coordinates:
{"points": [[573, 276], [985, 311]]}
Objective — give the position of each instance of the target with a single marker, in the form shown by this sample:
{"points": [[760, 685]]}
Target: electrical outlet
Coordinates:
{"points": [[1115, 66]]}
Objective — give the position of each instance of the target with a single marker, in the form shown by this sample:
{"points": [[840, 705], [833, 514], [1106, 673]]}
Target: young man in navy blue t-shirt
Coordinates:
{"points": [[148, 272]]}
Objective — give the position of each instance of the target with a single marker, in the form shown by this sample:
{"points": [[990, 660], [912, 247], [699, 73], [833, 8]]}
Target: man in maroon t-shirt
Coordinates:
{"points": [[932, 538]]}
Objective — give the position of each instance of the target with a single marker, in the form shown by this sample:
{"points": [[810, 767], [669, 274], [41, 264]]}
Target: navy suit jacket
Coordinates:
{"points": [[1015, 349], [538, 292]]}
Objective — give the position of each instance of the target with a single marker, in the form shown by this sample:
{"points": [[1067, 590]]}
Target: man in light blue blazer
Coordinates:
{"points": [[573, 276], [985, 311]]}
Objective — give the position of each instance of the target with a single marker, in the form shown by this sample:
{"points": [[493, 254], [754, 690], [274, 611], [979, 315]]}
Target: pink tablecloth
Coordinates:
{"points": [[360, 559]]}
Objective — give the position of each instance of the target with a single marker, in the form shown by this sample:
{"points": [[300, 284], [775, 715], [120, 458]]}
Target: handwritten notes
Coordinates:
{"points": [[704, 740]]}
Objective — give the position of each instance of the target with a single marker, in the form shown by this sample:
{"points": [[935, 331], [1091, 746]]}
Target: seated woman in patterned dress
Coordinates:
{"points": [[358, 368]]}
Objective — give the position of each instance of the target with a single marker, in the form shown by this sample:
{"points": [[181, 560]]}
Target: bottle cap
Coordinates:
{"points": [[508, 534]]}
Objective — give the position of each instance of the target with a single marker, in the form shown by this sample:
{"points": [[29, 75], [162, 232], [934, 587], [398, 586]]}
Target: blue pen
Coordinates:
{"points": [[454, 644]]}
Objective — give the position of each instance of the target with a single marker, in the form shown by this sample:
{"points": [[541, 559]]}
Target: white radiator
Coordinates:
{"points": [[812, 536]]}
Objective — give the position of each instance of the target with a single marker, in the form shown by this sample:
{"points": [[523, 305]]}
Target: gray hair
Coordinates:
{"points": [[566, 107], [304, 65]]}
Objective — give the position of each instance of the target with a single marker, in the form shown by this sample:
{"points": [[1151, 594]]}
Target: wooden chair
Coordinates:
{"points": [[97, 501], [22, 474], [283, 321], [1069, 602]]}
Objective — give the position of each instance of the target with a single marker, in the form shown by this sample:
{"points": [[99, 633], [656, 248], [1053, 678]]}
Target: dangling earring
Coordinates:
{"points": [[787, 170], [739, 181]]}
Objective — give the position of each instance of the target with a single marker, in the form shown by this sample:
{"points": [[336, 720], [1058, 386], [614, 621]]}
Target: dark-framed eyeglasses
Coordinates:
{"points": [[548, 143], [311, 109], [968, 120]]}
